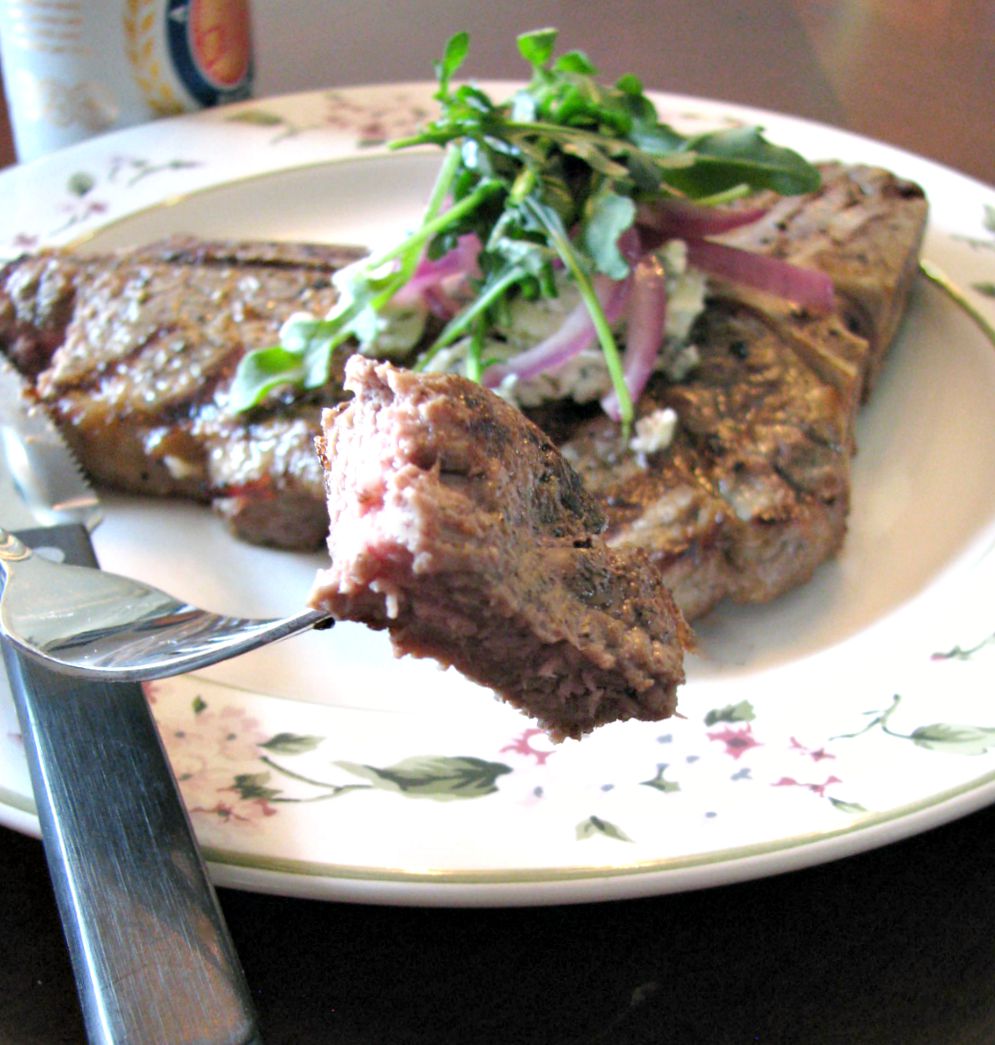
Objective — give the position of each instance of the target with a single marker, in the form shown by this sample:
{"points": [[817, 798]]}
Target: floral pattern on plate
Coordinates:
{"points": [[797, 742]]}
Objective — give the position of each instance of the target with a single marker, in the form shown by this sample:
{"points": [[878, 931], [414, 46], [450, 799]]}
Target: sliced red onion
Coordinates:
{"points": [[643, 295], [807, 287], [647, 310], [682, 219], [438, 300], [630, 245], [458, 264], [573, 336]]}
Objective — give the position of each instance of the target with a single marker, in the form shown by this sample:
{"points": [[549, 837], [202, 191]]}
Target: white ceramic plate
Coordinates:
{"points": [[852, 712]]}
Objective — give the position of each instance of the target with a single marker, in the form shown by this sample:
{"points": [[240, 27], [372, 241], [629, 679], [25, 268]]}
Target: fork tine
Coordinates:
{"points": [[130, 631], [167, 651]]}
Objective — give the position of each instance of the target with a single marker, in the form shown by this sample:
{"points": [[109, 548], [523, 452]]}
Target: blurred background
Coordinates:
{"points": [[914, 74]]}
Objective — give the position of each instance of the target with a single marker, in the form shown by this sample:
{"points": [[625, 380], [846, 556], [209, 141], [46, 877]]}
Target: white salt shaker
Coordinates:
{"points": [[76, 68]]}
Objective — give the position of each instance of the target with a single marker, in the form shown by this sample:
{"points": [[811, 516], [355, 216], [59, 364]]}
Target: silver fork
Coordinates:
{"points": [[98, 625]]}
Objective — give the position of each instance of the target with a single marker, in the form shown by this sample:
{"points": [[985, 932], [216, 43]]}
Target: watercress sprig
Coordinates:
{"points": [[549, 179]]}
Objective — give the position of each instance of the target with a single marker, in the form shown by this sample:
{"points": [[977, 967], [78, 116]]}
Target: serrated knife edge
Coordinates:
{"points": [[40, 465]]}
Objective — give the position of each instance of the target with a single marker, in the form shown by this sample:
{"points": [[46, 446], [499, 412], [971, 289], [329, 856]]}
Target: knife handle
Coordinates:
{"points": [[150, 950]]}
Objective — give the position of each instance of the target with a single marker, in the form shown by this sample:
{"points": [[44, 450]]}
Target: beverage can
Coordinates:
{"points": [[76, 68]]}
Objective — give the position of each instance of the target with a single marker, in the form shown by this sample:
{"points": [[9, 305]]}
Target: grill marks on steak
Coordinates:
{"points": [[457, 526], [133, 354], [863, 228], [754, 491]]}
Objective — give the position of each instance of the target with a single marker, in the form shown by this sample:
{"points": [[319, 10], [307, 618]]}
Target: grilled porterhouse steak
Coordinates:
{"points": [[457, 525], [133, 354]]}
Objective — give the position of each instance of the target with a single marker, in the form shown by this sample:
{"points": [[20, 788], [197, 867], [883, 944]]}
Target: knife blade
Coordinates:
{"points": [[151, 954]]}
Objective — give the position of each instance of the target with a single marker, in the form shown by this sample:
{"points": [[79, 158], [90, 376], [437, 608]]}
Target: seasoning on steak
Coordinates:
{"points": [[750, 497], [133, 353], [753, 493], [457, 526]]}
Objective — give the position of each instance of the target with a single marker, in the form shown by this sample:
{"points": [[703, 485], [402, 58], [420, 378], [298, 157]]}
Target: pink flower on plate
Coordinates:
{"points": [[207, 736], [737, 741], [216, 758], [241, 800], [374, 122], [816, 754], [523, 745], [817, 789], [237, 735]]}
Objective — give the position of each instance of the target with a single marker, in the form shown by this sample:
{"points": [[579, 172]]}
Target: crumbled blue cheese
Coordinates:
{"points": [[685, 302], [394, 332], [531, 320], [677, 361], [654, 432], [585, 377], [685, 289], [582, 378]]}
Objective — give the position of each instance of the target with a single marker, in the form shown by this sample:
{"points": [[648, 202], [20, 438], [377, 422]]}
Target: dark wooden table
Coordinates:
{"points": [[895, 945]]}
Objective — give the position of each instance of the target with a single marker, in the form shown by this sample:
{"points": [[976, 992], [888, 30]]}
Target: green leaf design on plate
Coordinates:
{"points": [[257, 117], [81, 183], [198, 704], [594, 825], [741, 712], [988, 223], [989, 218], [964, 652], [253, 785], [439, 777], [846, 807], [660, 783], [291, 744], [988, 289], [956, 739], [952, 738]]}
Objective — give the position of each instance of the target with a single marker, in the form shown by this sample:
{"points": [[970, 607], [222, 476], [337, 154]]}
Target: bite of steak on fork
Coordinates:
{"points": [[458, 527]]}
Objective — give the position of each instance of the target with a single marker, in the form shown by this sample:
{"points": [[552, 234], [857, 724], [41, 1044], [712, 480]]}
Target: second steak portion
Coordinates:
{"points": [[133, 354], [754, 492], [457, 526]]}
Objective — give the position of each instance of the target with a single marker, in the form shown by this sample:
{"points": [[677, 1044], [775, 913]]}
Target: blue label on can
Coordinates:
{"points": [[210, 45]]}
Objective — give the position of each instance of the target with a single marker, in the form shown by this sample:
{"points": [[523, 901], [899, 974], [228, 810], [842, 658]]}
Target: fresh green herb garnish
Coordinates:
{"points": [[551, 178]]}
